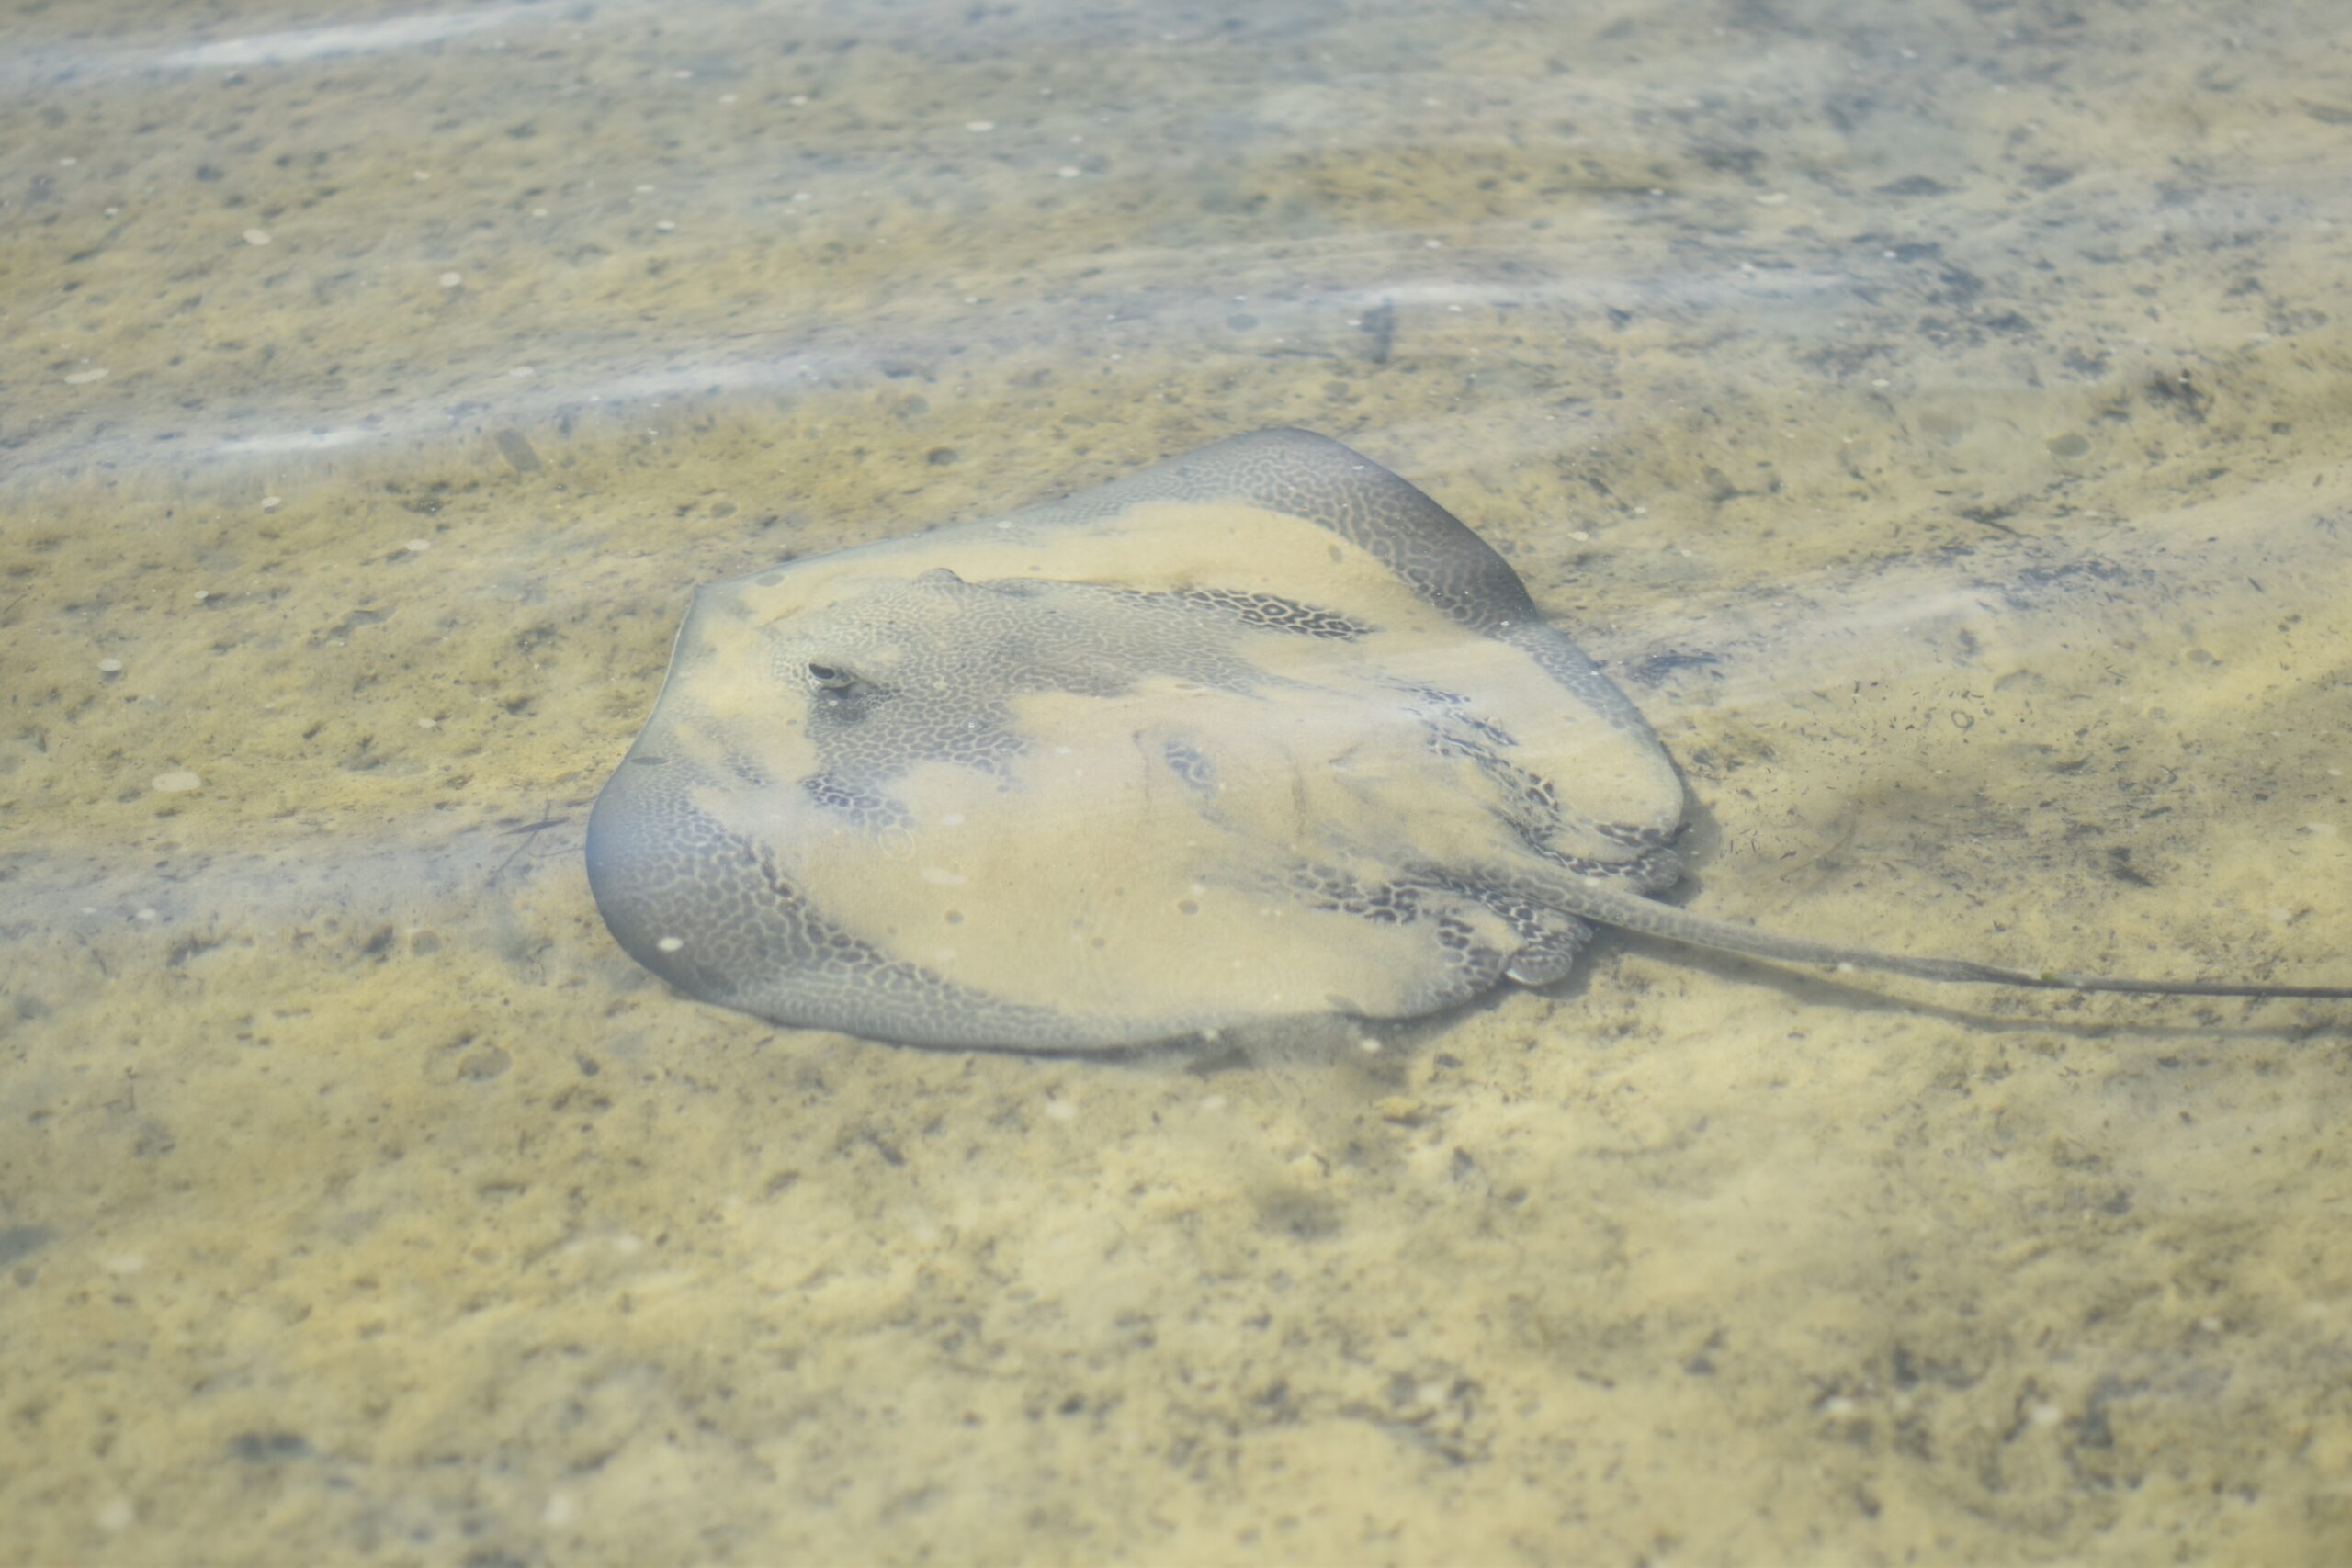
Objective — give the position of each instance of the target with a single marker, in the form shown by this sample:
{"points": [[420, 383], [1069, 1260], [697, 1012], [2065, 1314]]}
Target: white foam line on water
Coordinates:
{"points": [[32, 66], [1847, 626], [471, 400], [527, 402], [279, 886], [413, 31]]}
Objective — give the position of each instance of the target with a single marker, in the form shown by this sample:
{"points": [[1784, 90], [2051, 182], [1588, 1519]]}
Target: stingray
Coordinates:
{"points": [[1257, 734]]}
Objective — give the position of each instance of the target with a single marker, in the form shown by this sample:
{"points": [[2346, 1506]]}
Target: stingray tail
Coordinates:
{"points": [[1630, 911]]}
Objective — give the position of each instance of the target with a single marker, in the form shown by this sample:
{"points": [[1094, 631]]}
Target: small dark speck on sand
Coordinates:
{"points": [[264, 1448]]}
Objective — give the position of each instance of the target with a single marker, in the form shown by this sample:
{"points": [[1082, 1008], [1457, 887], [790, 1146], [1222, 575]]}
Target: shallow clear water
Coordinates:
{"points": [[1934, 415]]}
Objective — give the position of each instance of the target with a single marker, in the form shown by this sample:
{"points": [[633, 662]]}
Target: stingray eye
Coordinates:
{"points": [[832, 677]]}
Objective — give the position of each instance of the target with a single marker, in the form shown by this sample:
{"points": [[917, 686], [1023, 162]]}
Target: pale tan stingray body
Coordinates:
{"points": [[1088, 875], [1261, 732]]}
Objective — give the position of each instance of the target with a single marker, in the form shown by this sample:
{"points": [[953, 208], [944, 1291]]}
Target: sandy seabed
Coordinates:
{"points": [[1934, 415]]}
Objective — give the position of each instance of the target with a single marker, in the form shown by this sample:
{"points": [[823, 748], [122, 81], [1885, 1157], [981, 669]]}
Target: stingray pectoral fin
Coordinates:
{"points": [[1627, 910]]}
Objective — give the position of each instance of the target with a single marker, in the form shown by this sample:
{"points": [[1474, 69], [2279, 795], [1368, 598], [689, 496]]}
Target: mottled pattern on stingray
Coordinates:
{"points": [[1258, 733], [931, 671]]}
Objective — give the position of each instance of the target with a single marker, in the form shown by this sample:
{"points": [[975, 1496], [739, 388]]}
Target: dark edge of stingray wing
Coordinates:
{"points": [[658, 865], [1431, 551]]}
